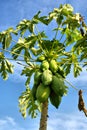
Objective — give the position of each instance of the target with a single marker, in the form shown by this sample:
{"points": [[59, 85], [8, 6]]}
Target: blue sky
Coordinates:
{"points": [[67, 116]]}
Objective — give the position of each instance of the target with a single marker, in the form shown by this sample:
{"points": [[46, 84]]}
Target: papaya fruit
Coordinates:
{"points": [[58, 86], [35, 51], [46, 77], [42, 93], [44, 65], [37, 77], [53, 65], [33, 91], [55, 99], [41, 58]]}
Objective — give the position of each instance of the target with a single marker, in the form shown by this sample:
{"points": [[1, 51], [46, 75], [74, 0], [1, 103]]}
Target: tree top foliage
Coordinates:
{"points": [[68, 46]]}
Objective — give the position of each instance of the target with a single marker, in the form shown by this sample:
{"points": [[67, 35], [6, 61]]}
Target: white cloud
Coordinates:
{"points": [[56, 121], [67, 122], [11, 120], [8, 123]]}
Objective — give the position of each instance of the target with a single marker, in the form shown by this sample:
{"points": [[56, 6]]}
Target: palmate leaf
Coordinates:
{"points": [[16, 50], [11, 30], [60, 13], [67, 68], [67, 9], [53, 45], [1, 38], [6, 37], [72, 61], [6, 41], [72, 36], [66, 62], [5, 68], [28, 72], [25, 44], [77, 69], [42, 19], [27, 55], [57, 15], [72, 22], [1, 56], [25, 25], [83, 54], [19, 47], [27, 103], [3, 71], [80, 43]]}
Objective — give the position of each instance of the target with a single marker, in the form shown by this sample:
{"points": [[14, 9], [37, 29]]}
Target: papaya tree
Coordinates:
{"points": [[48, 47]]}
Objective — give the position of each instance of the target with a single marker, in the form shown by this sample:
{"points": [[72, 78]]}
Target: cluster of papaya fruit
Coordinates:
{"points": [[49, 82]]}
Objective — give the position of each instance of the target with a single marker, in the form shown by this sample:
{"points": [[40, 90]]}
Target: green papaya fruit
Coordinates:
{"points": [[35, 51], [46, 77], [55, 99], [37, 77], [44, 65], [58, 86], [34, 89], [53, 65], [42, 93], [41, 58]]}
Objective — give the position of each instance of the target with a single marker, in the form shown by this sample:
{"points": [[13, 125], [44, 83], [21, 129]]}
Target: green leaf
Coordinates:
{"points": [[83, 56], [1, 56], [53, 45], [66, 9], [72, 35], [3, 70], [67, 68], [56, 14], [26, 103], [78, 43], [55, 99], [1, 37], [6, 37], [9, 66], [67, 47], [25, 25], [42, 19], [17, 49], [26, 55], [60, 19], [28, 72], [77, 69], [8, 40]]}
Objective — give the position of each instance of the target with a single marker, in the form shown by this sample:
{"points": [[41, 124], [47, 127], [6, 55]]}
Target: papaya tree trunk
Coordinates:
{"points": [[44, 115]]}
